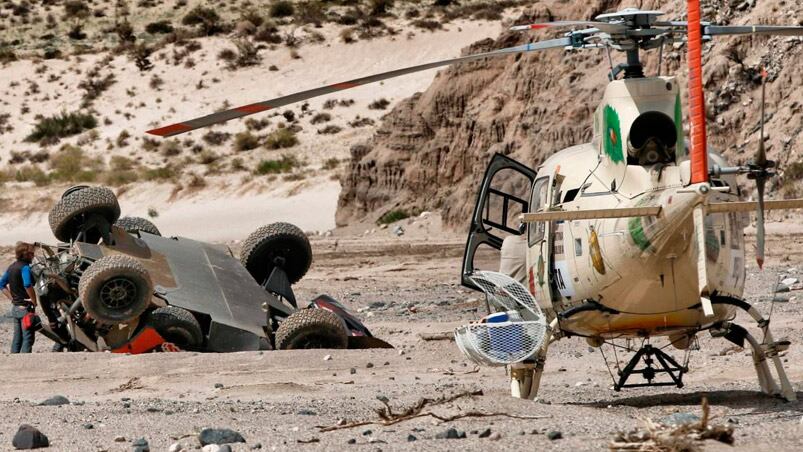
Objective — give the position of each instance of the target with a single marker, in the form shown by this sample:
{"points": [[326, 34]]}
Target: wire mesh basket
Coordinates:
{"points": [[500, 344], [506, 293], [505, 337]]}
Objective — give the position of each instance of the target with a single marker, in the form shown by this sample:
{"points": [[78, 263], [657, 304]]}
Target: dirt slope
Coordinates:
{"points": [[430, 152]]}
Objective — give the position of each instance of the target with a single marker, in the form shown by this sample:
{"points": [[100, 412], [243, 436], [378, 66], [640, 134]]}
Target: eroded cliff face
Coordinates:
{"points": [[430, 152]]}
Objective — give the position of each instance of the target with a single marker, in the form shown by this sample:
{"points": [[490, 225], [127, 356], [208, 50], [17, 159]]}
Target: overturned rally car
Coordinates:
{"points": [[117, 284]]}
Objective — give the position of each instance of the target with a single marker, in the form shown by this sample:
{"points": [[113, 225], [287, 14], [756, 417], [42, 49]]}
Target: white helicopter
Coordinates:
{"points": [[629, 236]]}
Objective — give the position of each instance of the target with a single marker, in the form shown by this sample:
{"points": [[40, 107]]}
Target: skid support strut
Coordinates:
{"points": [[766, 350]]}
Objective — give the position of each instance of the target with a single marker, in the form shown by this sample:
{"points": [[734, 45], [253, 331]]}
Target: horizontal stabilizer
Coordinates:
{"points": [[748, 206], [624, 212]]}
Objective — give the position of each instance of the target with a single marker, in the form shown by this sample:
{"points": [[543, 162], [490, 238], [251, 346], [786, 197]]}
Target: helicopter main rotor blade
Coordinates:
{"points": [[776, 30], [602, 26], [227, 115]]}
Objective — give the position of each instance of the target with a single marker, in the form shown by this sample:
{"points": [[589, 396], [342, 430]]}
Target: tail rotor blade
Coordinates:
{"points": [[239, 112], [760, 223], [702, 260], [761, 157]]}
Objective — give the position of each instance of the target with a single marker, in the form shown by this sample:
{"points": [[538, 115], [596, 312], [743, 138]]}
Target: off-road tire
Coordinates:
{"points": [[176, 325], [277, 240], [133, 225], [311, 328], [115, 289], [66, 216]]}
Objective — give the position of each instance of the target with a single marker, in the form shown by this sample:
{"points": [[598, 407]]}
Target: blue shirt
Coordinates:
{"points": [[27, 280]]}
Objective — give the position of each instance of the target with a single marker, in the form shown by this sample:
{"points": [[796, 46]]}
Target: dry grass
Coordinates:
{"points": [[687, 437]]}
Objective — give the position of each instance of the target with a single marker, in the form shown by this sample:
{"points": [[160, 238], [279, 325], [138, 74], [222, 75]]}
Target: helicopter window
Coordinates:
{"points": [[538, 201], [571, 194], [652, 139]]}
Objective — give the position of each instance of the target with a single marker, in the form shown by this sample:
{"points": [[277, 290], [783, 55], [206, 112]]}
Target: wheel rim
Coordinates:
{"points": [[118, 293], [315, 341]]}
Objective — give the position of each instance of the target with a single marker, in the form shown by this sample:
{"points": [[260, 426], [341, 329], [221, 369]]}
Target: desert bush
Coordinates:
{"points": [[206, 157], [282, 165], [52, 128], [76, 33], [207, 20], [361, 122], [159, 27], [289, 115], [246, 54], [7, 55], [321, 117], [379, 104], [281, 8], [76, 9], [245, 141], [122, 139], [70, 164], [141, 56], [392, 216], [331, 129], [281, 139], [31, 173], [330, 164], [94, 85], [162, 173], [216, 138], [256, 124], [252, 15], [427, 24], [380, 7], [170, 148]]}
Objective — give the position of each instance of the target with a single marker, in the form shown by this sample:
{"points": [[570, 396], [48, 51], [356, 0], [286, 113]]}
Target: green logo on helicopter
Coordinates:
{"points": [[612, 138]]}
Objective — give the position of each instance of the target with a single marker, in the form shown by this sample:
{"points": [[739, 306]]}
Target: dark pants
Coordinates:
{"points": [[23, 339]]}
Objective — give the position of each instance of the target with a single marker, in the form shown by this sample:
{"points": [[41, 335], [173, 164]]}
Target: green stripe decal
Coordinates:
{"points": [[637, 234], [613, 135]]}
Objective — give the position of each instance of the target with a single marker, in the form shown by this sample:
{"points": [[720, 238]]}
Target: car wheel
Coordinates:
{"points": [[176, 325], [133, 225], [115, 289], [311, 328], [284, 240], [69, 213]]}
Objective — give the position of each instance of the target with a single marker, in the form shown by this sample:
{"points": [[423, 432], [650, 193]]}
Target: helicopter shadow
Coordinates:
{"points": [[734, 399]]}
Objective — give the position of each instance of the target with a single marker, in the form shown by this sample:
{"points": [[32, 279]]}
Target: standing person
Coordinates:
{"points": [[17, 284]]}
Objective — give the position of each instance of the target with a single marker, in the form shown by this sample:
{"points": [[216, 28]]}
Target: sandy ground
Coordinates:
{"points": [[278, 399]]}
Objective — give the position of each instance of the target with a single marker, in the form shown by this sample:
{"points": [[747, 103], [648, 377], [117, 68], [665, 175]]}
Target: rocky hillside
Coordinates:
{"points": [[431, 150]]}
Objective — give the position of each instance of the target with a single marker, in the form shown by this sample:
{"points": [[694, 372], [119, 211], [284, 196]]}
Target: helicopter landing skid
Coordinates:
{"points": [[666, 364]]}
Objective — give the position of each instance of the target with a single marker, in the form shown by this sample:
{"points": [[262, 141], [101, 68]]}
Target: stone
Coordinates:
{"points": [[218, 385], [451, 433], [29, 437], [256, 446], [57, 400], [369, 365], [790, 281], [327, 358], [782, 288], [398, 230], [485, 433], [352, 371], [679, 419], [351, 441], [219, 436], [119, 439], [306, 412], [554, 435], [141, 442], [411, 438], [175, 447], [496, 436], [88, 426]]}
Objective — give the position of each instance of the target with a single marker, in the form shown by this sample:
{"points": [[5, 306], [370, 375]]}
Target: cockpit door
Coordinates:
{"points": [[502, 198]]}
